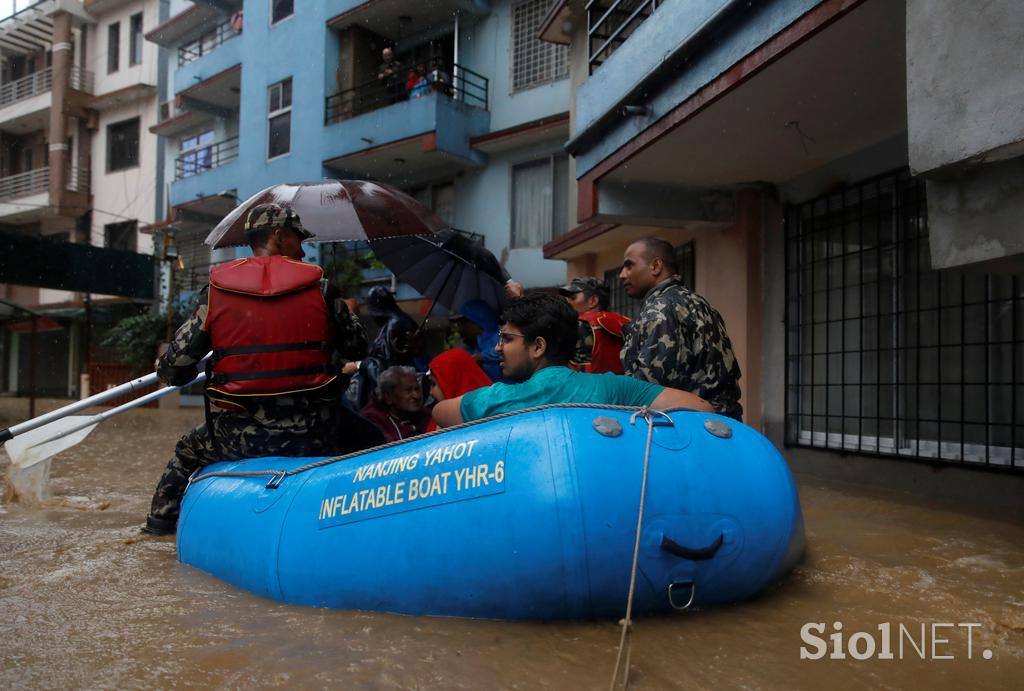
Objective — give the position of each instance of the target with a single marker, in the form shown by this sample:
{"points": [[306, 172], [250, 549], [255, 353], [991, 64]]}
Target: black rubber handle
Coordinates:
{"points": [[703, 554], [5, 434]]}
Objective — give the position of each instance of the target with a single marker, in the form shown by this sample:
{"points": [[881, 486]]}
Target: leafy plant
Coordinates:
{"points": [[137, 338]]}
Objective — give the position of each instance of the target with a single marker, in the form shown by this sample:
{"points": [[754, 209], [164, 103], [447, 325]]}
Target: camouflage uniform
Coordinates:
{"points": [[311, 424], [679, 340]]}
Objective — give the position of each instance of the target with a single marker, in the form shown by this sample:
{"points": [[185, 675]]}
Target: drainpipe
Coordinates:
{"points": [[58, 153]]}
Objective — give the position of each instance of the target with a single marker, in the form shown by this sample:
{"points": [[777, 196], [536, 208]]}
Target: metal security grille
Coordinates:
{"points": [[534, 61], [619, 301], [885, 355]]}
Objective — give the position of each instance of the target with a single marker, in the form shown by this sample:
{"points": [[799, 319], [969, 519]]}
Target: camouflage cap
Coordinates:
{"points": [[275, 216], [590, 285]]}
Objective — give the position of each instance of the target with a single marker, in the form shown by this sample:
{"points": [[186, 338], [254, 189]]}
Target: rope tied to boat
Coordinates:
{"points": [[279, 475], [621, 671]]}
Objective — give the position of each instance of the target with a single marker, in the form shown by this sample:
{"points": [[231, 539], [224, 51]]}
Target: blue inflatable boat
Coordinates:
{"points": [[525, 516]]}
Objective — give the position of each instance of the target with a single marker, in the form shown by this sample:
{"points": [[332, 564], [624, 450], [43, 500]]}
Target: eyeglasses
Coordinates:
{"points": [[508, 336]]}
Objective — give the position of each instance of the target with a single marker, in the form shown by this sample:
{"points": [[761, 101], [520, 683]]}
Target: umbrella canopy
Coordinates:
{"points": [[336, 210], [448, 267]]}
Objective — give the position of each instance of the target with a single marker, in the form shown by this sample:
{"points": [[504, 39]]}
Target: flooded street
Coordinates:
{"points": [[87, 602]]}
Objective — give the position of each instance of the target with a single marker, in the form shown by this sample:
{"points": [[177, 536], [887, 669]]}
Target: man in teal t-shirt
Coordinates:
{"points": [[537, 339]]}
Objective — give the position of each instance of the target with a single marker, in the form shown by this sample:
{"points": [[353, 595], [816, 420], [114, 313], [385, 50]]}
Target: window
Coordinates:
{"points": [[438, 197], [281, 9], [196, 154], [886, 355], [619, 301], [534, 61], [279, 117], [123, 145], [540, 193], [120, 236], [113, 47], [135, 40]]}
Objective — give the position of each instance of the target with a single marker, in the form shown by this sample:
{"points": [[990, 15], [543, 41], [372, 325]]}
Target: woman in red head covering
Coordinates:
{"points": [[452, 374]]}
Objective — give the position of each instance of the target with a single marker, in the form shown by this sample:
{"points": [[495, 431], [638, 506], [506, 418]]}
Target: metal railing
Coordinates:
{"points": [[77, 179], [42, 81], [26, 87], [610, 23], [454, 81], [29, 182], [206, 158], [205, 44], [82, 80]]}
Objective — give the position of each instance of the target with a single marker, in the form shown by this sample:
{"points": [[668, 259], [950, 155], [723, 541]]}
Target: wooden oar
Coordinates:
{"points": [[40, 443]]}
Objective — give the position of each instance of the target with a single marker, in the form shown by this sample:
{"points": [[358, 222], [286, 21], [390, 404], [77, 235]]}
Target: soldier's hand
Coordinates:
{"points": [[514, 289]]}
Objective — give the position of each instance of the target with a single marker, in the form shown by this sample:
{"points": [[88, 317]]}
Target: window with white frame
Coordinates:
{"points": [[534, 61], [540, 210], [281, 10], [888, 356], [279, 118], [196, 154]]}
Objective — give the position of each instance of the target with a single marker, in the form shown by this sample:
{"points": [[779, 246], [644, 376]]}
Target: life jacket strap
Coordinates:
{"points": [[226, 377], [221, 353]]}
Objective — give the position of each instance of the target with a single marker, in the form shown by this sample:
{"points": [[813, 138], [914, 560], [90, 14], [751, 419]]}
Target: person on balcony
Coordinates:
{"points": [[417, 84], [389, 76]]}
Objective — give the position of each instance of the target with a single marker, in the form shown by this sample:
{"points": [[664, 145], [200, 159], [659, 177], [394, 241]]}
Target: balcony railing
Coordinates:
{"points": [[82, 80], [205, 158], [455, 81], [610, 23], [42, 81], [22, 184], [205, 44], [32, 85], [77, 179]]}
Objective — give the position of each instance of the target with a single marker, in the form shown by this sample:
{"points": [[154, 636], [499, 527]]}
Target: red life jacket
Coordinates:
{"points": [[270, 328], [607, 328]]}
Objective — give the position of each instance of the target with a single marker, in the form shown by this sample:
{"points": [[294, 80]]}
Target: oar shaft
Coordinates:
{"points": [[140, 401], [124, 389], [128, 388]]}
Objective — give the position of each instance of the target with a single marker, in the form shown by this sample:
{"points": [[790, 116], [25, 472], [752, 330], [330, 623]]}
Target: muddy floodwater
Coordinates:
{"points": [[86, 602]]}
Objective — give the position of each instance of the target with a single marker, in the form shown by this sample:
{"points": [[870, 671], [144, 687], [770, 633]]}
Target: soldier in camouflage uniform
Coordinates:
{"points": [[679, 340], [301, 424]]}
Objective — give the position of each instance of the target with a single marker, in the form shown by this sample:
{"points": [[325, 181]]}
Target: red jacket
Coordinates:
{"points": [[269, 326], [607, 330]]}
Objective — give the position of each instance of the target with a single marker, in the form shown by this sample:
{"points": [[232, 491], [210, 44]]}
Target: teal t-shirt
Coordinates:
{"points": [[558, 385]]}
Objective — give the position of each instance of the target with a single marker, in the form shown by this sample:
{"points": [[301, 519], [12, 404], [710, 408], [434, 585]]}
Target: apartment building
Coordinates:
{"points": [[844, 182], [268, 92], [78, 180]]}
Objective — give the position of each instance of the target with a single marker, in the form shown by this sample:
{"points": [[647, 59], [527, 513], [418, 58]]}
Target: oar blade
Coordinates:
{"points": [[47, 441]]}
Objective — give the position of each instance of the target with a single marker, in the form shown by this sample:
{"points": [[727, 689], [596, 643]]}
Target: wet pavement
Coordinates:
{"points": [[87, 602]]}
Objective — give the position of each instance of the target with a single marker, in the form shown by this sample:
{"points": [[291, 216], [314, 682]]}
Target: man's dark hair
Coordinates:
{"points": [[662, 249], [546, 316], [259, 236], [602, 297]]}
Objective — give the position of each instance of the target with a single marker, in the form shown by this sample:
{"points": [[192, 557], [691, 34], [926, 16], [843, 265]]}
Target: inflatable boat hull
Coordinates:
{"points": [[531, 516]]}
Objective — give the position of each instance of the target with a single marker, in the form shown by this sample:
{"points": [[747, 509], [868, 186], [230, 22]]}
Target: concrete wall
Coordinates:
{"points": [[965, 80], [126, 194]]}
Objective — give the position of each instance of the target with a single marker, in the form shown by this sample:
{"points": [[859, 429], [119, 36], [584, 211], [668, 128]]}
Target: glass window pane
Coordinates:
{"points": [[279, 135]]}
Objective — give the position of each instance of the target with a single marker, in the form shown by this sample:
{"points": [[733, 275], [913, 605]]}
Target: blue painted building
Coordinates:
{"points": [[264, 92], [845, 187]]}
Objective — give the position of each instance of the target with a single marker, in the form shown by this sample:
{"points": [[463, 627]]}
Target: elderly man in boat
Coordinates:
{"points": [[536, 343], [280, 334]]}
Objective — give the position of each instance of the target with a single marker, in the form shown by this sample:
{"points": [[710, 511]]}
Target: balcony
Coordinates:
{"points": [[455, 82], [610, 23], [425, 131], [205, 44], [24, 184], [206, 158], [25, 102]]}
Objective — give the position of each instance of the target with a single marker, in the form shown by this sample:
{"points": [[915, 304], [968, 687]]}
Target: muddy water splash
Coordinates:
{"points": [[87, 602]]}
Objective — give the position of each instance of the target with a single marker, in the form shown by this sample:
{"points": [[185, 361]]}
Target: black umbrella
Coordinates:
{"points": [[450, 267]]}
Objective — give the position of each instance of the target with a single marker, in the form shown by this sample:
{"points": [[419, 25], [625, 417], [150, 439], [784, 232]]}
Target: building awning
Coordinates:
{"points": [[185, 26], [393, 19]]}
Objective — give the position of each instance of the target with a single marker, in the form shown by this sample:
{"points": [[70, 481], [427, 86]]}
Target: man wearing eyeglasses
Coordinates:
{"points": [[536, 342]]}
